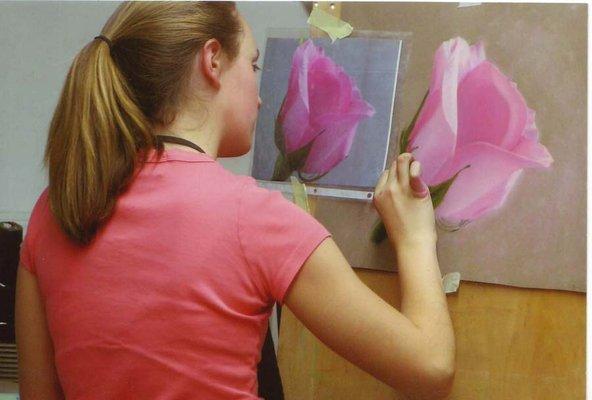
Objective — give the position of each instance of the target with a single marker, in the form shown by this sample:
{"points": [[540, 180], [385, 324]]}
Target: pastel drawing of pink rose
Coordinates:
{"points": [[475, 132], [318, 119]]}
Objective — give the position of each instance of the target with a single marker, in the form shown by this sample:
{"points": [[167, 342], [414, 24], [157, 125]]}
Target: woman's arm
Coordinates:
{"points": [[347, 316], [37, 374], [412, 350]]}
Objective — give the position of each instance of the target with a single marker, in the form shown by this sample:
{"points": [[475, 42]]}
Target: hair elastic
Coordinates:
{"points": [[106, 40]]}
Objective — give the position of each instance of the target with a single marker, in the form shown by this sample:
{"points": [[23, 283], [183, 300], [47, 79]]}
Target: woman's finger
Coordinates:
{"points": [[403, 162], [382, 180], [418, 186], [392, 175], [415, 169]]}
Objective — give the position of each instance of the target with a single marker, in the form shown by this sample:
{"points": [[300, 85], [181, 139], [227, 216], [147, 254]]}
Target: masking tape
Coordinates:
{"points": [[335, 27], [450, 282], [299, 192]]}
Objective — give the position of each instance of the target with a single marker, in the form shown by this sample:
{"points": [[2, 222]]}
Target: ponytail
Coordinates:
{"points": [[114, 95]]}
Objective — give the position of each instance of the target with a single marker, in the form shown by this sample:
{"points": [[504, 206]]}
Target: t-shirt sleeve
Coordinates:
{"points": [[276, 238], [26, 254]]}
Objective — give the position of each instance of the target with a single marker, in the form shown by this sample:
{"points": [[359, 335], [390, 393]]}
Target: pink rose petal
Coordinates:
{"points": [[433, 139], [435, 131], [490, 200], [476, 187], [455, 52], [491, 109], [326, 152]]}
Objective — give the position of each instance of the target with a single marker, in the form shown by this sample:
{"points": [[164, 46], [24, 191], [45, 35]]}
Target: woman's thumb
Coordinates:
{"points": [[418, 186]]}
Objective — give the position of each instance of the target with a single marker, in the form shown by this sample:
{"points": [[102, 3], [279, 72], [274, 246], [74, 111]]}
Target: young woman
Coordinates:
{"points": [[149, 271]]}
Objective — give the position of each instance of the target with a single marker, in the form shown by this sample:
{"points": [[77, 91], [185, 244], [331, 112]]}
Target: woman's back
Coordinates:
{"points": [[172, 297]]}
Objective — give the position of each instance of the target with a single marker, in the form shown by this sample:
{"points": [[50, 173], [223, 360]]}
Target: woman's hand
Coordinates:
{"points": [[407, 216]]}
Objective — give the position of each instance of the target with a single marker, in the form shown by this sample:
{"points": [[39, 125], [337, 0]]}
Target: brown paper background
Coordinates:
{"points": [[538, 238]]}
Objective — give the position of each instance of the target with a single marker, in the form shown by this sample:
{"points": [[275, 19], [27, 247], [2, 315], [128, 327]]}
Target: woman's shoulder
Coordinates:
{"points": [[250, 187]]}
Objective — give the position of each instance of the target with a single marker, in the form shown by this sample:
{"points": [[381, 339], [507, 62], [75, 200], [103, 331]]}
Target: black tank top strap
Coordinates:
{"points": [[178, 140]]}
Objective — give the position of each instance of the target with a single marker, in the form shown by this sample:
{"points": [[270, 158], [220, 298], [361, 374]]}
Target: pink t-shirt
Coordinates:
{"points": [[172, 298]]}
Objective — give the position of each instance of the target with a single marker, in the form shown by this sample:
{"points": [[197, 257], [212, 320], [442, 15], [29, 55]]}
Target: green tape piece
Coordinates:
{"points": [[450, 282], [299, 192], [335, 28]]}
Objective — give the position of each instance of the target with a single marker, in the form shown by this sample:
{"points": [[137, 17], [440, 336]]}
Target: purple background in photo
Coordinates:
{"points": [[373, 64]]}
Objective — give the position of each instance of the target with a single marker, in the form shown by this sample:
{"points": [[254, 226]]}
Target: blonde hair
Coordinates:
{"points": [[113, 98]]}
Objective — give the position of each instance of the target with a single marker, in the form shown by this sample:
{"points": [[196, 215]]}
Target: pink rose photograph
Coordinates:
{"points": [[326, 118]]}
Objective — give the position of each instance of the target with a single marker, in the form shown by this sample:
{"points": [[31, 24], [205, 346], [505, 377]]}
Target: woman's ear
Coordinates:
{"points": [[210, 58]]}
